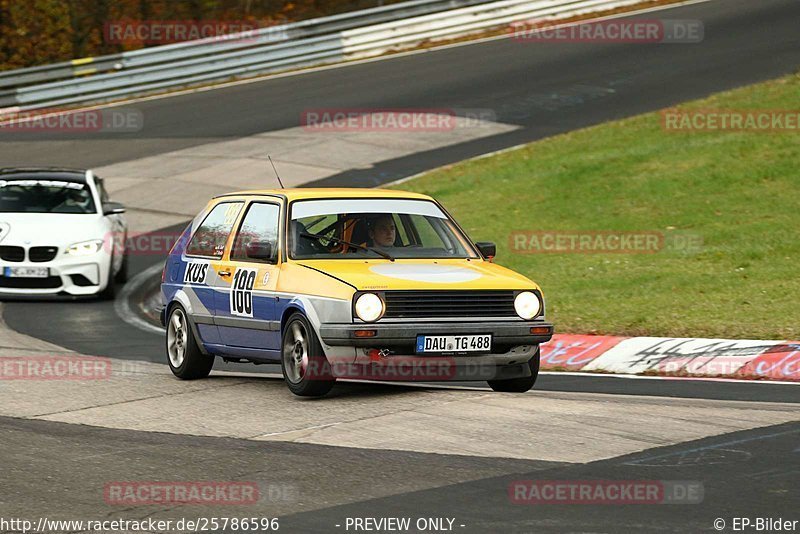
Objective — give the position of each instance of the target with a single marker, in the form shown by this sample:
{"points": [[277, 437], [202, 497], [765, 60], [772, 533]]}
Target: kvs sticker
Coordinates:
{"points": [[196, 273], [242, 292]]}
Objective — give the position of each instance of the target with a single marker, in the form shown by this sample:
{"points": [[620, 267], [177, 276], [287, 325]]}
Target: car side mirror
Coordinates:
{"points": [[487, 249], [113, 208], [259, 250]]}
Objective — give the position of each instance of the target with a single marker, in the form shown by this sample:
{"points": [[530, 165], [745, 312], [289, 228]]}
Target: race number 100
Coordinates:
{"points": [[242, 292]]}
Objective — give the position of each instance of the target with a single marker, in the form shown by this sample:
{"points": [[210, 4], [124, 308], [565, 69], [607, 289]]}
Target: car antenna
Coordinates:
{"points": [[278, 176]]}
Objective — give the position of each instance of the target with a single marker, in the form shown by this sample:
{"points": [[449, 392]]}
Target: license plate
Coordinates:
{"points": [[466, 343], [26, 272]]}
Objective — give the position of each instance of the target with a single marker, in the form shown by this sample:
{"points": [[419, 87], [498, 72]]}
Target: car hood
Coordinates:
{"points": [[421, 274], [50, 229]]}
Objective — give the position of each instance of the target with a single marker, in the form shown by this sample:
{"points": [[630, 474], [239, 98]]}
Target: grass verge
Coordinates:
{"points": [[738, 192]]}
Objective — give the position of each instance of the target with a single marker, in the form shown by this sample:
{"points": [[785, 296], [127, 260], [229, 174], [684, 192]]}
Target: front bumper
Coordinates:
{"points": [[505, 334], [68, 276], [390, 354]]}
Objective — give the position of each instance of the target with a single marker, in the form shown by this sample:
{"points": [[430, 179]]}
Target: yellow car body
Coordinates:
{"points": [[248, 274]]}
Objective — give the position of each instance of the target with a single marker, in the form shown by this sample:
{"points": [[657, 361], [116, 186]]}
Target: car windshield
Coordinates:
{"points": [[45, 196], [374, 228]]}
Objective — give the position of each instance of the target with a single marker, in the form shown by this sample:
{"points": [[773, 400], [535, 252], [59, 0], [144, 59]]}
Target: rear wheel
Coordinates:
{"points": [[305, 367], [185, 358], [518, 385]]}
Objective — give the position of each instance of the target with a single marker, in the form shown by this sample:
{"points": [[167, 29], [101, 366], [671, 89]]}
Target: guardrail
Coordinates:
{"points": [[324, 40], [259, 37]]}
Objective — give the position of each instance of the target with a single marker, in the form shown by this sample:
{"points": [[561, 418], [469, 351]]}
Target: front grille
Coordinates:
{"points": [[51, 282], [15, 254], [432, 304], [42, 254]]}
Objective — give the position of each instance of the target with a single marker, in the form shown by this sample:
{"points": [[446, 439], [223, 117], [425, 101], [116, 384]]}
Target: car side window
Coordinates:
{"points": [[210, 238], [257, 239]]}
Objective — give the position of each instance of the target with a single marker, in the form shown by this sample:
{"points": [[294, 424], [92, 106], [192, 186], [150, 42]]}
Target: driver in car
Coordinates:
{"points": [[382, 231], [75, 202]]}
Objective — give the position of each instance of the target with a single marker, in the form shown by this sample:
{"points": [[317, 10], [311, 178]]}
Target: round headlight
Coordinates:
{"points": [[369, 307], [527, 305]]}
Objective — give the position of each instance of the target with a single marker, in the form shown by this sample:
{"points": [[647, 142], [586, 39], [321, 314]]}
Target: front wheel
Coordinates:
{"points": [[110, 290], [122, 275], [185, 358], [303, 362], [518, 385]]}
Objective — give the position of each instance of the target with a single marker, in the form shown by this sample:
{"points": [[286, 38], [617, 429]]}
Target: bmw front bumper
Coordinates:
{"points": [[80, 276]]}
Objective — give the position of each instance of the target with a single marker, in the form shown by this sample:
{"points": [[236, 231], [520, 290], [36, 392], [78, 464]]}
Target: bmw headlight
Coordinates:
{"points": [[85, 248], [369, 307], [527, 305]]}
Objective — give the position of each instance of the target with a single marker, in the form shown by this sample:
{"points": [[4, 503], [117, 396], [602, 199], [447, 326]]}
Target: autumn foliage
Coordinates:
{"points": [[36, 32]]}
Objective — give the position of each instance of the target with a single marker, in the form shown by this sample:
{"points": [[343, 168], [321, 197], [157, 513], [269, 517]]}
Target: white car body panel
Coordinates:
{"points": [[28, 230]]}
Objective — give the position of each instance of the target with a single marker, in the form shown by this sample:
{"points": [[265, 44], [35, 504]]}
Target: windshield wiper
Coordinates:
{"points": [[343, 242]]}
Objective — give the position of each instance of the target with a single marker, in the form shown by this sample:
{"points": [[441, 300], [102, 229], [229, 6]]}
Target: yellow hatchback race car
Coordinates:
{"points": [[347, 283]]}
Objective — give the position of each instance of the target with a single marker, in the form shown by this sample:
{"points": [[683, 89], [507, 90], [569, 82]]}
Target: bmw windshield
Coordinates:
{"points": [[374, 228], [45, 196]]}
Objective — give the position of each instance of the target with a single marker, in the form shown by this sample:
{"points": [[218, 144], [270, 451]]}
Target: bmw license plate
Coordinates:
{"points": [[26, 272], [465, 343]]}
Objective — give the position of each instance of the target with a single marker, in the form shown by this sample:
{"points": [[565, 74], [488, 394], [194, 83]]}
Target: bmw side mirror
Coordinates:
{"points": [[113, 208], [487, 249], [259, 250]]}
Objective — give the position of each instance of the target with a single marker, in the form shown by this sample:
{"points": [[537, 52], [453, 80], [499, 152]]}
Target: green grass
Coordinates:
{"points": [[739, 191]]}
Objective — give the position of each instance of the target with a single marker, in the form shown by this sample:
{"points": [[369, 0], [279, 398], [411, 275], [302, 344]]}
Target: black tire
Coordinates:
{"points": [[518, 385], [110, 291], [193, 364], [306, 370], [122, 275]]}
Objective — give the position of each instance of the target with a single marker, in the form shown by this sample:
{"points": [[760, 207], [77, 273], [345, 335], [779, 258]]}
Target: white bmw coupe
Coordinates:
{"points": [[59, 234]]}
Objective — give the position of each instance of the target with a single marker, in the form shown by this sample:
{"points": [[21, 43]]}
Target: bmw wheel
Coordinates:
{"points": [[110, 290], [122, 274]]}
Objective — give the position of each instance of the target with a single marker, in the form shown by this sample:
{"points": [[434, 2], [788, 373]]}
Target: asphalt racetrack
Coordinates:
{"points": [[380, 450]]}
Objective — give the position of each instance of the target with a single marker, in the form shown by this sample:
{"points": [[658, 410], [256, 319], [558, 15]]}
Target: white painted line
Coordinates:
{"points": [[475, 158], [122, 303], [357, 62], [445, 385], [714, 446], [306, 429]]}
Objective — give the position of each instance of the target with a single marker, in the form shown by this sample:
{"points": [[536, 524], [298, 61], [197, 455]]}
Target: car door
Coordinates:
{"points": [[245, 296], [202, 262]]}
